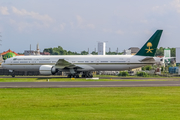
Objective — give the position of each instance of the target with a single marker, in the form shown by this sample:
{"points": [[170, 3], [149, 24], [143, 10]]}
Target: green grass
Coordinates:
{"points": [[76, 79], [125, 103]]}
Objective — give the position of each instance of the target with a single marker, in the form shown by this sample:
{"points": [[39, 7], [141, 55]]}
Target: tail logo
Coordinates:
{"points": [[149, 45]]}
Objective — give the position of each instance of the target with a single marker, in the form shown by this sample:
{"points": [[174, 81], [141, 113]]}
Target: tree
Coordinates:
{"points": [[84, 53], [148, 67], [123, 73], [113, 53], [173, 52], [142, 74], [160, 52], [94, 53], [48, 50]]}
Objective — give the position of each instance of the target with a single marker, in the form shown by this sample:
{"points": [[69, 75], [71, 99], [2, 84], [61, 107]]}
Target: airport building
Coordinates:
{"points": [[35, 52], [131, 51], [101, 48], [8, 54], [178, 55]]}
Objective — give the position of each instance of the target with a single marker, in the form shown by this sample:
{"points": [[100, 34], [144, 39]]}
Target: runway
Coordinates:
{"points": [[49, 77], [87, 84]]}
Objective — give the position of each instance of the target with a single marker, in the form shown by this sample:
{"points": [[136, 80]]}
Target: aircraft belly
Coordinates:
{"points": [[116, 67], [86, 68], [23, 67]]}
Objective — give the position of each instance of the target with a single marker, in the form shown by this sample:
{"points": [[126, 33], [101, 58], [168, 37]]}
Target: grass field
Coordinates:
{"points": [[124, 103], [23, 79]]}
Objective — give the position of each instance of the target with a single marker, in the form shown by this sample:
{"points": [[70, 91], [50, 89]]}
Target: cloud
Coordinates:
{"points": [[34, 15], [161, 9], [4, 11], [144, 21], [107, 30], [79, 19], [22, 26], [1, 29], [35, 20], [72, 24], [120, 32], [62, 26], [176, 5], [82, 24], [173, 5], [92, 26]]}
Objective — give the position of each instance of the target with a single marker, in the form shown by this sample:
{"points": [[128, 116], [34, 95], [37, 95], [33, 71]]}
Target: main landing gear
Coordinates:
{"points": [[87, 75], [73, 76], [84, 75]]}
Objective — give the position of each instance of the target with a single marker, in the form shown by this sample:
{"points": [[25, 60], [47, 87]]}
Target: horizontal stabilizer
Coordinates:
{"points": [[148, 59]]}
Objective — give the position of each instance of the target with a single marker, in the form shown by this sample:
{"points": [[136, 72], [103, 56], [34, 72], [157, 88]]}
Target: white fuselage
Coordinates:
{"points": [[87, 62]]}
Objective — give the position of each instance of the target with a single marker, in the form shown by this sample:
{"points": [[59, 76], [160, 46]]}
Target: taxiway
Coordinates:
{"points": [[87, 84]]}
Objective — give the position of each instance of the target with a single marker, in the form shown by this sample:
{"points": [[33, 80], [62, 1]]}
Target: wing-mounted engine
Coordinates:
{"points": [[47, 70]]}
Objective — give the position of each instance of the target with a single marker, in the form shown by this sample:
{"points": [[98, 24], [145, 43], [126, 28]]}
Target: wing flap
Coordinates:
{"points": [[63, 64]]}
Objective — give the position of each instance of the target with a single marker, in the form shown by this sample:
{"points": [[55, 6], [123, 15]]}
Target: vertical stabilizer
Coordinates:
{"points": [[149, 48]]}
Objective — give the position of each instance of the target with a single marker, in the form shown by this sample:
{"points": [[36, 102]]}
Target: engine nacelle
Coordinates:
{"points": [[47, 70]]}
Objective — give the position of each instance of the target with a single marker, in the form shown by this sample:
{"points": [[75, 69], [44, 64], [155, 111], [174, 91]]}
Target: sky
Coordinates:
{"points": [[77, 25]]}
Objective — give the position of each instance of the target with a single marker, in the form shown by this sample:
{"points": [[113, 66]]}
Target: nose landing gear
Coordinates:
{"points": [[12, 73]]}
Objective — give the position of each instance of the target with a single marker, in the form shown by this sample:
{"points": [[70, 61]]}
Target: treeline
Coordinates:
{"points": [[160, 51], [60, 51]]}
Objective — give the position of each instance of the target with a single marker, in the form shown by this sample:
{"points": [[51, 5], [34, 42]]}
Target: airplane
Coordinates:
{"points": [[85, 64]]}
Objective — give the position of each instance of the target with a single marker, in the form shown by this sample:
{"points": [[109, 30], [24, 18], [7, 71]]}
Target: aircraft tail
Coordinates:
{"points": [[150, 47]]}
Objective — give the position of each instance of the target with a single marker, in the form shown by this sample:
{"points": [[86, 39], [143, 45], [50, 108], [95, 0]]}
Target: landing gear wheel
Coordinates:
{"points": [[87, 75], [13, 75], [77, 76], [69, 76], [73, 76]]}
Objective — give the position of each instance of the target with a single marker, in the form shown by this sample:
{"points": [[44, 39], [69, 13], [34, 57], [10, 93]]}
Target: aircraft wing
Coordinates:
{"points": [[61, 64], [148, 59]]}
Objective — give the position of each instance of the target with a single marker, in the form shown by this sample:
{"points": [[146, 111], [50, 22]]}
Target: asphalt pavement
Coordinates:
{"points": [[88, 84]]}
